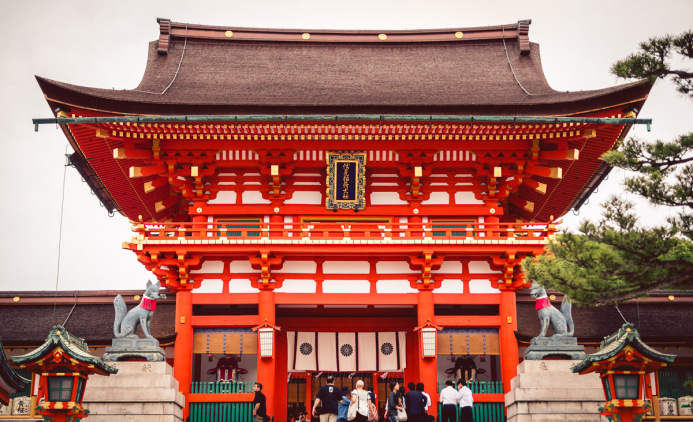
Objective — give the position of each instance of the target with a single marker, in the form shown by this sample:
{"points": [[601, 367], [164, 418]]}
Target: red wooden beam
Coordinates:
{"points": [[467, 299], [468, 320], [220, 397], [225, 321]]}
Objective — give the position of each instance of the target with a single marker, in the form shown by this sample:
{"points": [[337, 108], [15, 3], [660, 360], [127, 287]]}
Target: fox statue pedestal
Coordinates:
{"points": [[139, 392], [127, 348], [546, 390]]}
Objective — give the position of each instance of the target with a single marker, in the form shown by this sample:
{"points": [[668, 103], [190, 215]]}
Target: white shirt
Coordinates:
{"points": [[428, 400], [464, 397], [448, 395]]}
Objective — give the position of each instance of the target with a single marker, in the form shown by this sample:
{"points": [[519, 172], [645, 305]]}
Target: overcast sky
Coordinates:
{"points": [[104, 44]]}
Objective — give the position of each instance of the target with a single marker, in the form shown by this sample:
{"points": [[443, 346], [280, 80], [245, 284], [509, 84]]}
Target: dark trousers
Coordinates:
{"points": [[414, 418], [449, 413], [466, 414]]}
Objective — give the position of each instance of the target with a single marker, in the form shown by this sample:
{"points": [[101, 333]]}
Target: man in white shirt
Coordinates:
{"points": [[466, 401], [448, 398]]}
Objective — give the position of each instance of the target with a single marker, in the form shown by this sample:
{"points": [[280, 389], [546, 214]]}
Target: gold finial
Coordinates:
{"points": [[228, 34], [459, 35], [305, 36], [382, 37]]}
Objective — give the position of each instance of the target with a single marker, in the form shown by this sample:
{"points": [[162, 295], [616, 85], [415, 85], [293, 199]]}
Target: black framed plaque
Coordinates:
{"points": [[346, 181]]}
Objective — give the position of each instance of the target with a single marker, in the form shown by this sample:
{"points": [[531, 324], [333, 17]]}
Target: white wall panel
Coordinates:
{"points": [[476, 267], [467, 198], [210, 286], [306, 267], [346, 267], [346, 286], [241, 266], [241, 286], [224, 197], [394, 267], [437, 198], [305, 198], [482, 286], [394, 286], [449, 267], [450, 286], [297, 286], [254, 197], [386, 198]]}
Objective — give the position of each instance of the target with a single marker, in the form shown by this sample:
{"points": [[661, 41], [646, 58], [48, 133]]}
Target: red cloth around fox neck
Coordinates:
{"points": [[148, 304], [542, 302]]}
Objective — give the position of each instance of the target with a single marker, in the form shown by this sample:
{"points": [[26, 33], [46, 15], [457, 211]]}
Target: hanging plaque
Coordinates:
{"points": [[346, 181]]}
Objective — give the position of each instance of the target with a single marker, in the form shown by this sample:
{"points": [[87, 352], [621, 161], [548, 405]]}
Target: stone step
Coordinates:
{"points": [[133, 380], [134, 409], [120, 394], [553, 379]]}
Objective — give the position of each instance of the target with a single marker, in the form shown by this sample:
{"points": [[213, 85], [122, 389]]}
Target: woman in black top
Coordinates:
{"points": [[393, 402]]}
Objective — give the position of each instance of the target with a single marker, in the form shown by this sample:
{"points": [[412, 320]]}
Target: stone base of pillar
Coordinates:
{"points": [[546, 390], [140, 391]]}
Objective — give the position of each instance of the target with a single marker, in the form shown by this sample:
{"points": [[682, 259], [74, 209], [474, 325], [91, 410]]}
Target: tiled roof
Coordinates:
{"points": [[196, 69], [9, 379], [616, 342], [74, 346]]}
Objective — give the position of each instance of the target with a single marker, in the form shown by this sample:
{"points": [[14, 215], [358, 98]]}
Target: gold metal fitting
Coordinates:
{"points": [[305, 36], [382, 37], [15, 299], [552, 297], [671, 297], [459, 35], [137, 297], [228, 34]]}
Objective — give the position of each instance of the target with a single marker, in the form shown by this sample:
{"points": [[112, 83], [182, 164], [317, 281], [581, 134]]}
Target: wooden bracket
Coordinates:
{"points": [[265, 261], [426, 262]]}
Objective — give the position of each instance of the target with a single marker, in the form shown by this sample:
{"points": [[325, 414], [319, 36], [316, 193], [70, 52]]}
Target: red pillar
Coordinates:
{"points": [[510, 356], [281, 375], [428, 367], [266, 366], [182, 352]]}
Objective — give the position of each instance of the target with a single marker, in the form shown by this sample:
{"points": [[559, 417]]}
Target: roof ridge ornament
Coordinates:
{"points": [[164, 35], [523, 36]]}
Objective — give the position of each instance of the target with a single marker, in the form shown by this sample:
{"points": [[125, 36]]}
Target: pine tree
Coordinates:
{"points": [[618, 258]]}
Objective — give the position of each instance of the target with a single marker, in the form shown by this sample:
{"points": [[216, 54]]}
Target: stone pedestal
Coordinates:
{"points": [[139, 392], [546, 390], [126, 348], [555, 346]]}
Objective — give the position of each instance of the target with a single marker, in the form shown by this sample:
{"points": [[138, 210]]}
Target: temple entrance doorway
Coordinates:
{"points": [[303, 386]]}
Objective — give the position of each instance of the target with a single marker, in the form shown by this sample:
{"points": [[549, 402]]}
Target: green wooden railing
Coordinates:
{"points": [[213, 412], [241, 411], [482, 411], [221, 387], [671, 381]]}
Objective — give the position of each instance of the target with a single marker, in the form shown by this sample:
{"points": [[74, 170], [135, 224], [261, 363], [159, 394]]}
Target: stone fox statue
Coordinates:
{"points": [[561, 322], [125, 325]]}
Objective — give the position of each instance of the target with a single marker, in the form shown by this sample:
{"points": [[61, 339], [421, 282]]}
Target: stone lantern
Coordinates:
{"points": [[622, 362], [64, 364]]}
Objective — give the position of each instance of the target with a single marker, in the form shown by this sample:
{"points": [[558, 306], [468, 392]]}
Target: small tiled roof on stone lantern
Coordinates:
{"points": [[75, 347], [10, 381], [615, 343]]}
